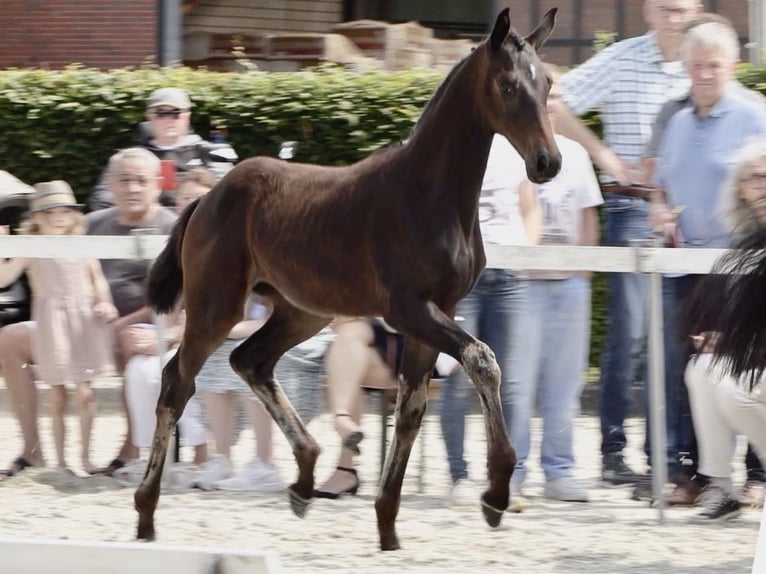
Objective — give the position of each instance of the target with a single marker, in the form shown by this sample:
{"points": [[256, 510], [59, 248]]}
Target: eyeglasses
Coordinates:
{"points": [[173, 113], [756, 177]]}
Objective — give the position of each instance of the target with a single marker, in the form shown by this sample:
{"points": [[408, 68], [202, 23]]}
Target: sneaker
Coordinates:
{"points": [[259, 477], [753, 494], [720, 507], [614, 471], [181, 476], [464, 493], [518, 501], [565, 489], [216, 468]]}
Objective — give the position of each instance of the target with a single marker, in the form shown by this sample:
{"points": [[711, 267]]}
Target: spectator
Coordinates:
{"points": [[219, 387], [694, 159], [509, 215], [554, 327], [721, 405], [755, 487], [167, 134], [363, 354], [627, 83], [133, 175], [71, 308], [193, 185]]}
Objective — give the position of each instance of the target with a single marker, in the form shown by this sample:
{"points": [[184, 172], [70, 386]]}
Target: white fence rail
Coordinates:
{"points": [[553, 257], [643, 257]]}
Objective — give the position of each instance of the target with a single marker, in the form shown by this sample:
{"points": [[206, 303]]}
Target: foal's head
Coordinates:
{"points": [[514, 94]]}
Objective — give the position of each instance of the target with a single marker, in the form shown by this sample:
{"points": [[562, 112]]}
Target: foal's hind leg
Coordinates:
{"points": [[255, 359], [426, 323], [410, 408], [206, 328]]}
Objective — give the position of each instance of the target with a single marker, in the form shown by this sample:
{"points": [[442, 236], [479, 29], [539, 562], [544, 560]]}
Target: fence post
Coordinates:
{"points": [[646, 264]]}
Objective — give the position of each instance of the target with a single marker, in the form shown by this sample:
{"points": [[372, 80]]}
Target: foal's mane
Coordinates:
{"points": [[433, 103]]}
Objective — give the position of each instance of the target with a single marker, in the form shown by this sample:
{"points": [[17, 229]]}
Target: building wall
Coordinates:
{"points": [[263, 15], [54, 33], [602, 16]]}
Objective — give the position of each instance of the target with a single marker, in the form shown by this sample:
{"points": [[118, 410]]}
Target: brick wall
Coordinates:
{"points": [[263, 15], [53, 33], [601, 16]]}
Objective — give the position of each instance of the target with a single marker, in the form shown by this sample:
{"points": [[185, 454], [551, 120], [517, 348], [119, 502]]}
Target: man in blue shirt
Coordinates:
{"points": [[695, 156]]}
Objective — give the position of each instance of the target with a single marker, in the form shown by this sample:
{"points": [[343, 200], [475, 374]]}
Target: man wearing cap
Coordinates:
{"points": [[168, 135]]}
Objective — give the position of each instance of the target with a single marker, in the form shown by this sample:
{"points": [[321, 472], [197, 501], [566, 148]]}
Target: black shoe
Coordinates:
{"points": [[616, 472], [349, 490], [643, 488], [720, 507]]}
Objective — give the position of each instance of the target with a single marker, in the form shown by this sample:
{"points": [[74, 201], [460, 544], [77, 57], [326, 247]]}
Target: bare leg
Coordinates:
{"points": [[86, 408], [57, 398], [15, 357], [255, 359], [220, 412], [342, 480], [348, 363], [263, 426]]}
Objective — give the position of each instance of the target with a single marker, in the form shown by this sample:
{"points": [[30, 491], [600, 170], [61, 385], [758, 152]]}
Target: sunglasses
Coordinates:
{"points": [[175, 113]]}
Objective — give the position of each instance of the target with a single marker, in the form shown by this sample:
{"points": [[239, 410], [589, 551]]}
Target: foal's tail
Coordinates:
{"points": [[166, 277], [732, 302]]}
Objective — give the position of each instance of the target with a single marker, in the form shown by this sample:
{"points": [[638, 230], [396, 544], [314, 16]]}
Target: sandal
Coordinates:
{"points": [[115, 465], [352, 439], [352, 490], [17, 466]]}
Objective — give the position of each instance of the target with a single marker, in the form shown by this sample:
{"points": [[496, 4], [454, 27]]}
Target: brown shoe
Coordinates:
{"points": [[685, 493]]}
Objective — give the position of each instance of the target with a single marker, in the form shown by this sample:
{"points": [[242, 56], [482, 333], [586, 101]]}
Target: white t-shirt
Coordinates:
{"points": [[564, 197], [499, 215]]}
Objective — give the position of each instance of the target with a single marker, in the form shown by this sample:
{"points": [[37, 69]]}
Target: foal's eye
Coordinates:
{"points": [[506, 88]]}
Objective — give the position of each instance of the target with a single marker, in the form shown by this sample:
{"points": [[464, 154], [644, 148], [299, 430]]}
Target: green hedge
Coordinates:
{"points": [[65, 124]]}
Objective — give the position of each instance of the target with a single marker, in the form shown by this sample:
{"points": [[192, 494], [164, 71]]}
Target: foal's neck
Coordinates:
{"points": [[450, 145]]}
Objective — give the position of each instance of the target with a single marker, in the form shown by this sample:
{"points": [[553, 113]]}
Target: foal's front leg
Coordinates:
{"points": [[425, 322], [410, 409]]}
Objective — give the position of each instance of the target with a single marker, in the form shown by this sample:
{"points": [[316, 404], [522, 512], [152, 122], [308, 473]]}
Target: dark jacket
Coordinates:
{"points": [[191, 152]]}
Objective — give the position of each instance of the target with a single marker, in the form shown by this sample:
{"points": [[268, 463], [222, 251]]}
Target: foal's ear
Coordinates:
{"points": [[501, 29], [537, 38]]}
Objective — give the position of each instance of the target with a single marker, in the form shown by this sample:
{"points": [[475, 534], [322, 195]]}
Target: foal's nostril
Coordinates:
{"points": [[543, 162]]}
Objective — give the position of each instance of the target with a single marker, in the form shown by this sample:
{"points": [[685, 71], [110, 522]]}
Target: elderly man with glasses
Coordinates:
{"points": [[167, 134]]}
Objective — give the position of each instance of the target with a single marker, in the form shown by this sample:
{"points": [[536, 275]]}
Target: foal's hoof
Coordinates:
{"points": [[389, 542], [492, 515], [146, 529], [299, 504]]}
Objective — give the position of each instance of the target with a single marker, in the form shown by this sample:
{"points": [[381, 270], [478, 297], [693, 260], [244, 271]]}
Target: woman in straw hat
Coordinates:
{"points": [[71, 305]]}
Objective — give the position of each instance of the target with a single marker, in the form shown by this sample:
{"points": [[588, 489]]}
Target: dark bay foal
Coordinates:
{"points": [[395, 235]]}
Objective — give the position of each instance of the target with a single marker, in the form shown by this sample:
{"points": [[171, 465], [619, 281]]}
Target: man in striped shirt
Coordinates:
{"points": [[626, 83]]}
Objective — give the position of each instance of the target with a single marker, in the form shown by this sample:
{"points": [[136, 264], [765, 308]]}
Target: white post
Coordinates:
{"points": [[656, 358], [757, 21]]}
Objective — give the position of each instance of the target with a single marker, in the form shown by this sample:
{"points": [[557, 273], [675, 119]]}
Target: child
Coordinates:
{"points": [[71, 305], [194, 184]]}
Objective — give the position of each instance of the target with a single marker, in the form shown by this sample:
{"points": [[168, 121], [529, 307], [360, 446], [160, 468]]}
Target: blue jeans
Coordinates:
{"points": [[681, 440], [626, 220], [489, 313], [552, 348]]}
